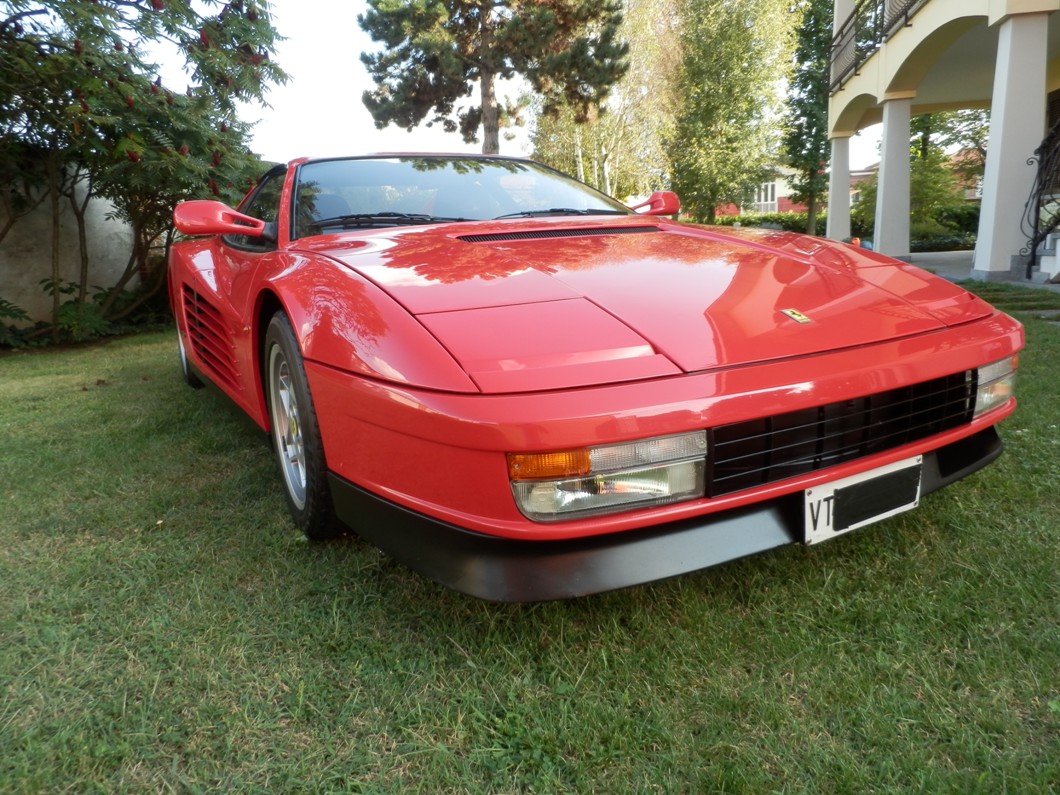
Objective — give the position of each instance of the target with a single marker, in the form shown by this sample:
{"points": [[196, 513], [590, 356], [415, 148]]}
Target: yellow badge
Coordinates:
{"points": [[795, 315]]}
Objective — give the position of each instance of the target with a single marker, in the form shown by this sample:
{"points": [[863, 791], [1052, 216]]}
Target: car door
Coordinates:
{"points": [[240, 257]]}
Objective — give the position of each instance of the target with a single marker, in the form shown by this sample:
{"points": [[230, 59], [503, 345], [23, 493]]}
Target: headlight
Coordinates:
{"points": [[587, 482], [997, 383]]}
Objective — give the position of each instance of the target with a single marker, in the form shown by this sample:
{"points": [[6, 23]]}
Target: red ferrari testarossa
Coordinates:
{"points": [[526, 390]]}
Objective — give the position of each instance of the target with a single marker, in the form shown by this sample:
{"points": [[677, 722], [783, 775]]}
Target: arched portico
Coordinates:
{"points": [[943, 55]]}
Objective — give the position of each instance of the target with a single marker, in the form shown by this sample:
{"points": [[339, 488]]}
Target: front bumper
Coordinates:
{"points": [[510, 570]]}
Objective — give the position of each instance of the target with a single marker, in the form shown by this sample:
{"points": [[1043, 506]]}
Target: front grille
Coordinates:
{"points": [[547, 234], [209, 337], [766, 450]]}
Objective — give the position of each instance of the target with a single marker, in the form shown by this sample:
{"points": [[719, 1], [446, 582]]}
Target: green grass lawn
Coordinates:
{"points": [[164, 629]]}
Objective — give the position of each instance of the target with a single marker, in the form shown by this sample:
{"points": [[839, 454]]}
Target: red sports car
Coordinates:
{"points": [[526, 390]]}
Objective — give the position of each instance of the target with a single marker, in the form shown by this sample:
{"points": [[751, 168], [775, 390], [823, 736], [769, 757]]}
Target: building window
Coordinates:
{"points": [[766, 198]]}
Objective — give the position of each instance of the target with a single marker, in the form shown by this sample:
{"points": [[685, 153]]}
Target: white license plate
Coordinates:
{"points": [[844, 505]]}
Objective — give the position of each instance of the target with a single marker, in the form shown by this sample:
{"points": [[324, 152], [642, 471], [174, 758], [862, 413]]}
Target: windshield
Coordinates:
{"points": [[393, 191]]}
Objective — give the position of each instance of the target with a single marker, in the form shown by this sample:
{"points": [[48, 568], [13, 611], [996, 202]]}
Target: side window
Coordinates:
{"points": [[264, 203], [330, 189]]}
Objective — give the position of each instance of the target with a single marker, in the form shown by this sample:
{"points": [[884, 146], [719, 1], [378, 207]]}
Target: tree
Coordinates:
{"points": [[20, 184], [966, 134], [623, 151], [947, 151], [435, 51], [735, 52], [806, 138], [80, 95], [932, 187], [962, 134]]}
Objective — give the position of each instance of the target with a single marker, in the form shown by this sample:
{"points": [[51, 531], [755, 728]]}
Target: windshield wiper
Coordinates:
{"points": [[560, 211], [381, 219]]}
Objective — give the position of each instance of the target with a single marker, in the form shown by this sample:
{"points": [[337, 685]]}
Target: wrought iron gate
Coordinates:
{"points": [[1042, 213]]}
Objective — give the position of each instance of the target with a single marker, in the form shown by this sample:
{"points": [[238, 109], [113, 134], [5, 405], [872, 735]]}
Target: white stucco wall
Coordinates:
{"points": [[25, 254]]}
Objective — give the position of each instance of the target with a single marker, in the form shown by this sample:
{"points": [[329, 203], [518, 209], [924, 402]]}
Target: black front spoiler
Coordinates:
{"points": [[507, 570]]}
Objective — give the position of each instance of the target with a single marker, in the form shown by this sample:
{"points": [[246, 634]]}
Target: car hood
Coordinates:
{"points": [[532, 305]]}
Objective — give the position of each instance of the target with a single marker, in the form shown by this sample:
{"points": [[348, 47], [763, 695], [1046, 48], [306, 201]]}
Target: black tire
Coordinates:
{"points": [[186, 372], [296, 434]]}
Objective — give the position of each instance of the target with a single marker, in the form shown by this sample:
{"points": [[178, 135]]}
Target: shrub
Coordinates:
{"points": [[789, 222], [947, 241], [962, 218], [10, 335]]}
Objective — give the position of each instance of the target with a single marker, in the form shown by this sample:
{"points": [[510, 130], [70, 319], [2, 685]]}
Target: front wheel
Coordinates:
{"points": [[295, 433]]}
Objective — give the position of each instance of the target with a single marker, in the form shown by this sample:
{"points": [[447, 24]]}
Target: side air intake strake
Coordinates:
{"points": [[209, 338], [547, 234]]}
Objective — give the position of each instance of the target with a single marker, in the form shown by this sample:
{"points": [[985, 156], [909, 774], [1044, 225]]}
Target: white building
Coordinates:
{"points": [[895, 59]]}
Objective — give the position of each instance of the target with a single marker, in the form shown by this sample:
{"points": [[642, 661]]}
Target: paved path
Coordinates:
{"points": [[957, 266]]}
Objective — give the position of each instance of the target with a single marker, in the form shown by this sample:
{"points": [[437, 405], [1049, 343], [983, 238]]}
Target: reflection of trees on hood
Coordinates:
{"points": [[342, 304], [454, 261]]}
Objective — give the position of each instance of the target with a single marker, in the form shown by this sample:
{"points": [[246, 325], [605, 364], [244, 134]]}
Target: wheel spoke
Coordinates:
{"points": [[290, 441]]}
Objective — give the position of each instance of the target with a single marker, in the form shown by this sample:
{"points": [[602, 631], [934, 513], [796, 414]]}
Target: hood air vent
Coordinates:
{"points": [[548, 234]]}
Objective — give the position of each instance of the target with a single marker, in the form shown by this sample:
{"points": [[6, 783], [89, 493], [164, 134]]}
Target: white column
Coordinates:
{"points": [[838, 226], [1017, 125], [892, 195]]}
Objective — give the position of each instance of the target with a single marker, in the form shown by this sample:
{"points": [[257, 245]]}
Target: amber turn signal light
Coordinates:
{"points": [[539, 466]]}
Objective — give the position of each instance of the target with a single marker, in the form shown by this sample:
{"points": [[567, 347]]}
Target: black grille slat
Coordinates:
{"points": [[548, 234], [823, 438], [770, 449]]}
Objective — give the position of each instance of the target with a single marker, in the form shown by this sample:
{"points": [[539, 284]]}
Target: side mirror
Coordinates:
{"points": [[214, 218], [662, 202]]}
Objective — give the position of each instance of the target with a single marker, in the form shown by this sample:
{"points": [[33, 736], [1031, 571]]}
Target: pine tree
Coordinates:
{"points": [[436, 51]]}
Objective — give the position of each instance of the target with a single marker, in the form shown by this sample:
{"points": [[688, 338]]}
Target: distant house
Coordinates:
{"points": [[971, 189], [772, 196], [858, 178]]}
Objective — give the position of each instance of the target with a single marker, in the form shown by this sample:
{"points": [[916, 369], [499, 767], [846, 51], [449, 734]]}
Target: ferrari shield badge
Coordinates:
{"points": [[795, 315]]}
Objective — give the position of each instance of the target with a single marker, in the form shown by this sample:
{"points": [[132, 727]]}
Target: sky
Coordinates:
{"points": [[319, 112]]}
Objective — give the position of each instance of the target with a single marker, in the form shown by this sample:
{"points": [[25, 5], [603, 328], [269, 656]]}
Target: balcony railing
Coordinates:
{"points": [[864, 31]]}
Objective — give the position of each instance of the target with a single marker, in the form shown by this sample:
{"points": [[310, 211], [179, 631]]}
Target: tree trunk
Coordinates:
{"points": [[605, 172], [925, 144], [80, 208], [491, 133], [811, 214], [53, 188], [578, 154], [141, 248]]}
